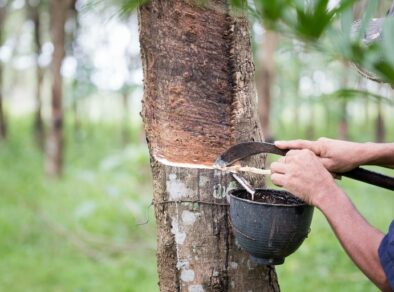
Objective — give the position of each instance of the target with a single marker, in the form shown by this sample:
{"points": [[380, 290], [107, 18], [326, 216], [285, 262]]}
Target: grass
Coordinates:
{"points": [[80, 233]]}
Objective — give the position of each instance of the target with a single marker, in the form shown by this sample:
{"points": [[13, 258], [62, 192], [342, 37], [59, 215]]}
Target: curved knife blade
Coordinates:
{"points": [[243, 150]]}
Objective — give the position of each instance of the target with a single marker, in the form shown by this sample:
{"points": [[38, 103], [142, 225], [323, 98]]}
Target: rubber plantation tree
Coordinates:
{"points": [[199, 98], [343, 126], [54, 149], [125, 132], [266, 75], [3, 126], [380, 130], [77, 90], [34, 14]]}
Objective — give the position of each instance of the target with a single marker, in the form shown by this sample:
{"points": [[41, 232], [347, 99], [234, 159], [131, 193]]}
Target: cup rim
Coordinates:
{"points": [[230, 193]]}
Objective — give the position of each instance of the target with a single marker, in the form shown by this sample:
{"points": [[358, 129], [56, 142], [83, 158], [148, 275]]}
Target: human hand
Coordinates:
{"points": [[336, 155], [302, 173]]}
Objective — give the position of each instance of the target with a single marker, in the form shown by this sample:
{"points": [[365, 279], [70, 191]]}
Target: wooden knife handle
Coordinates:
{"points": [[371, 177]]}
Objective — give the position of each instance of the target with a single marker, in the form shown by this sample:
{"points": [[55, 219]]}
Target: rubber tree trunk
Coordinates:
{"points": [[310, 129], [71, 40], [199, 98], [77, 123], [54, 149], [295, 86], [366, 124], [343, 127], [380, 130], [126, 118], [3, 126], [39, 131], [266, 75]]}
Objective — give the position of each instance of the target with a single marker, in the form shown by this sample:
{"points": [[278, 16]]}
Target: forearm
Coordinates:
{"points": [[359, 239], [381, 154]]}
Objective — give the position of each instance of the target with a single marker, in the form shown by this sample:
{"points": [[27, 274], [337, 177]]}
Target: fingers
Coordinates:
{"points": [[303, 153], [298, 144], [293, 144], [278, 179], [278, 167], [328, 163], [292, 153]]}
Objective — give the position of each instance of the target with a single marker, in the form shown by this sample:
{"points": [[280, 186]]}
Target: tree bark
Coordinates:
{"points": [[199, 98], [266, 76], [71, 40], [310, 129], [3, 125], [126, 117], [343, 127], [380, 130], [54, 149], [76, 112], [39, 131]]}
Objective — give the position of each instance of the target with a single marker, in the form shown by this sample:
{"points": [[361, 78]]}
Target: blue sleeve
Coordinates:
{"points": [[386, 254]]}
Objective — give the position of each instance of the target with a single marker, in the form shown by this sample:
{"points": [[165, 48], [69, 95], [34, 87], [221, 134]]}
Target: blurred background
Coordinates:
{"points": [[75, 183]]}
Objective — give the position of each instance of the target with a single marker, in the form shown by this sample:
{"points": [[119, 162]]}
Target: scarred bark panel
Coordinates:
{"points": [[187, 113]]}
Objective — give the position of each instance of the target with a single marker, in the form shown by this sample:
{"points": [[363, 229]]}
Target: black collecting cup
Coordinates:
{"points": [[272, 226]]}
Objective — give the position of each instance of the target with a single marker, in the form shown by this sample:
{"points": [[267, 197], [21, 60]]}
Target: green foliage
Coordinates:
{"points": [[317, 26], [311, 23], [301, 18], [123, 7], [349, 94], [128, 6]]}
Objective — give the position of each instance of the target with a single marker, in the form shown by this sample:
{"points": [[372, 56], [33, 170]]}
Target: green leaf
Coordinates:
{"points": [[388, 39], [129, 6]]}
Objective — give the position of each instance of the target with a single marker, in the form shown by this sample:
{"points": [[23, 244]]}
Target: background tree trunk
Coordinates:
{"points": [[310, 129], [126, 117], [77, 123], [199, 98], [39, 131], [72, 45], [343, 127], [3, 126], [380, 131], [54, 149], [265, 76]]}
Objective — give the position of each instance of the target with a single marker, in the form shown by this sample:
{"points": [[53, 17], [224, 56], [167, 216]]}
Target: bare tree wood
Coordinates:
{"points": [[199, 98]]}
